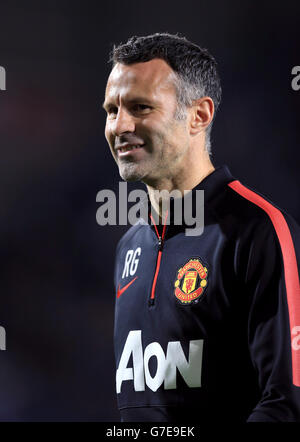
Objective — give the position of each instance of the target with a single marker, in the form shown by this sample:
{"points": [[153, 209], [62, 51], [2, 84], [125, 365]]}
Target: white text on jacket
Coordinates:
{"points": [[167, 365]]}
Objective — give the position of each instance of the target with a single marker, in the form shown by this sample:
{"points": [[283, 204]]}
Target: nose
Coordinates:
{"points": [[123, 123]]}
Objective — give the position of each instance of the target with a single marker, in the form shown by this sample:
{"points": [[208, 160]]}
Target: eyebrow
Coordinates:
{"points": [[139, 99]]}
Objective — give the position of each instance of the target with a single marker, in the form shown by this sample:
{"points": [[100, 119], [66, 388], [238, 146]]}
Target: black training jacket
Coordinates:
{"points": [[207, 327]]}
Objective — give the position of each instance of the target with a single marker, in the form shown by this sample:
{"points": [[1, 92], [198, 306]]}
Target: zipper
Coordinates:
{"points": [[158, 259]]}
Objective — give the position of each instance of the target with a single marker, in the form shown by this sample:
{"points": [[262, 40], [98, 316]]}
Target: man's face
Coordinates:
{"points": [[147, 143]]}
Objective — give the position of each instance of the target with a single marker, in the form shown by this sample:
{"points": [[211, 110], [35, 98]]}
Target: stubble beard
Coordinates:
{"points": [[141, 170], [160, 164], [130, 172]]}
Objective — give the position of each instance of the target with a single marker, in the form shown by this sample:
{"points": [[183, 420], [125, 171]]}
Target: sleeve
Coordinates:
{"points": [[274, 319]]}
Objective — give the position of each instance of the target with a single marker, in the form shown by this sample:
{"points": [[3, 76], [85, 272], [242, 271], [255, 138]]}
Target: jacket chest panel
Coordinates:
{"points": [[188, 285]]}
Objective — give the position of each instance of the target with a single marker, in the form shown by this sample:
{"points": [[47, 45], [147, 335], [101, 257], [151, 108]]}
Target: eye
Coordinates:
{"points": [[142, 108], [112, 111]]}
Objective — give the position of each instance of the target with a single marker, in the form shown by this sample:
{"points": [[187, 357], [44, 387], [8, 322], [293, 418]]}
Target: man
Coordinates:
{"points": [[207, 327]]}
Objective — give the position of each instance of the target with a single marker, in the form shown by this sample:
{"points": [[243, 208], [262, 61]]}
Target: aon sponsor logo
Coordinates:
{"points": [[167, 365]]}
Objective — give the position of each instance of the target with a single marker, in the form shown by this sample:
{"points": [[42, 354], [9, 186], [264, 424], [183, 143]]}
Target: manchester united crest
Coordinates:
{"points": [[190, 282]]}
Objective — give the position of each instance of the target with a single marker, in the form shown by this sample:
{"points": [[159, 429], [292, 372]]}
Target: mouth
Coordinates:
{"points": [[128, 149]]}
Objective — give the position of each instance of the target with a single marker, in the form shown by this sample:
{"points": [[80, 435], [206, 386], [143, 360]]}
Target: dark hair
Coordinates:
{"points": [[195, 67]]}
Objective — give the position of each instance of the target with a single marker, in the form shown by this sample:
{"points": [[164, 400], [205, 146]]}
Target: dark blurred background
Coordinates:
{"points": [[56, 263]]}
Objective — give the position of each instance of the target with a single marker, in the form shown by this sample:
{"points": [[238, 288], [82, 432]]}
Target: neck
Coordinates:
{"points": [[182, 182]]}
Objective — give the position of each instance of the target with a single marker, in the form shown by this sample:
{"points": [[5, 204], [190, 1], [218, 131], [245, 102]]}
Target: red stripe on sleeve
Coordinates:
{"points": [[290, 269]]}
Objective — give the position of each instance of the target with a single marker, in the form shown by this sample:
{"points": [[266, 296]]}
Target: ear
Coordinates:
{"points": [[201, 114]]}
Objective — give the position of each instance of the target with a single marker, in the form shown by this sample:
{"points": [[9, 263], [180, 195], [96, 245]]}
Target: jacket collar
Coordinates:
{"points": [[211, 185]]}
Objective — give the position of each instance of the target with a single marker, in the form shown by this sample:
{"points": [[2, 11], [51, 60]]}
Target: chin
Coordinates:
{"points": [[130, 174]]}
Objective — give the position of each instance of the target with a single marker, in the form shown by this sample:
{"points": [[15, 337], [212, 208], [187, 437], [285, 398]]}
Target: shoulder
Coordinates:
{"points": [[263, 233], [246, 208]]}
